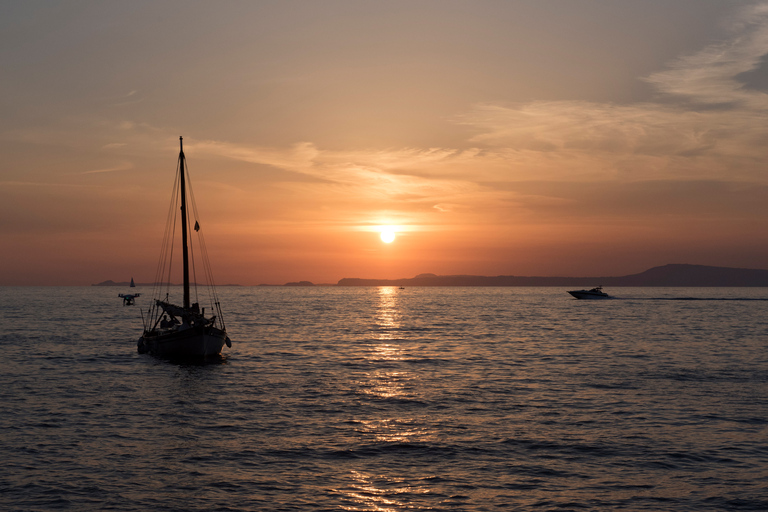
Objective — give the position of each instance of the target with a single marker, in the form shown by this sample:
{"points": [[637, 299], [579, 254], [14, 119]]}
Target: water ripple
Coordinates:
{"points": [[374, 399]]}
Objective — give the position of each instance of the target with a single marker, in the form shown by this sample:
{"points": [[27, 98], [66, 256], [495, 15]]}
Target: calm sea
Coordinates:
{"points": [[381, 399]]}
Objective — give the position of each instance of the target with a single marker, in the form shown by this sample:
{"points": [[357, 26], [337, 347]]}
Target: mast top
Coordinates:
{"points": [[181, 144]]}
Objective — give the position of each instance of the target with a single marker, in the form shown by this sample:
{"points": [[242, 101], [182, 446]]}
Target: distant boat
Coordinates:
{"points": [[182, 331], [133, 285], [594, 293]]}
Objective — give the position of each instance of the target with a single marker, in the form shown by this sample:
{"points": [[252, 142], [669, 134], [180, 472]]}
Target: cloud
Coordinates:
{"points": [[710, 76], [703, 126], [704, 123], [122, 167]]}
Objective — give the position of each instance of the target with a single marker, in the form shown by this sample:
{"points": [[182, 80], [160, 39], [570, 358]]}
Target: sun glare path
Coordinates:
{"points": [[387, 236]]}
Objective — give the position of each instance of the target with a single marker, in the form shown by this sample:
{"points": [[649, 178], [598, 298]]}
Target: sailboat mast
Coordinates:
{"points": [[185, 248]]}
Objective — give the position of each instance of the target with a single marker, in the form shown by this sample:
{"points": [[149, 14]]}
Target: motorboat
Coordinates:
{"points": [[594, 293]]}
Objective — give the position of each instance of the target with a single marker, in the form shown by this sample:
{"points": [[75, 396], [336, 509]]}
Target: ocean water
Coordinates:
{"points": [[381, 399]]}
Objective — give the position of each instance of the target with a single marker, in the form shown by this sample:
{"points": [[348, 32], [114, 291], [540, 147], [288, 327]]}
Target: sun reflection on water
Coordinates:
{"points": [[388, 314], [383, 349], [385, 377], [392, 430], [380, 493], [386, 352], [386, 384]]}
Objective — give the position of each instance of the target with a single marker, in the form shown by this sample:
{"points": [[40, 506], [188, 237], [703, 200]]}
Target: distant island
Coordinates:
{"points": [[672, 275], [667, 275]]}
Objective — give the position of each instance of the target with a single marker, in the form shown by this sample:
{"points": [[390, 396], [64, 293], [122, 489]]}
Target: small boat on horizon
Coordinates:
{"points": [[183, 331], [594, 293]]}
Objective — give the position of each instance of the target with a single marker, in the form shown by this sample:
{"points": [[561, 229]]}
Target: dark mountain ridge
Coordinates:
{"points": [[671, 275]]}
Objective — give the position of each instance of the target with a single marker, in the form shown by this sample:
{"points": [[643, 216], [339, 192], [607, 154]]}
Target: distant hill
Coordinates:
{"points": [[112, 283], [667, 275]]}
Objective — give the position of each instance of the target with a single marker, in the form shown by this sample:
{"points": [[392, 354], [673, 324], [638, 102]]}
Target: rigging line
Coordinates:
{"points": [[212, 296], [158, 284], [172, 245], [208, 273], [191, 196], [211, 289], [170, 239], [194, 267], [163, 252], [201, 244], [163, 280], [203, 248]]}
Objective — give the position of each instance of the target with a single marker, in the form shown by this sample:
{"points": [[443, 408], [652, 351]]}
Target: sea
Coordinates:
{"points": [[388, 399]]}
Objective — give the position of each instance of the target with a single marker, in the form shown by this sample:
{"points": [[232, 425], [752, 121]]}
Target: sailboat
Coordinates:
{"points": [[183, 331], [133, 285]]}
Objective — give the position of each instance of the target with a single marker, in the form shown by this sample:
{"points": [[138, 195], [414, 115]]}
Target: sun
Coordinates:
{"points": [[387, 235]]}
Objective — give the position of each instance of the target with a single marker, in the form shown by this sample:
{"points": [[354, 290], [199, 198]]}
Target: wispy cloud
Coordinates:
{"points": [[709, 76], [407, 174], [130, 98], [122, 167], [705, 124], [115, 145]]}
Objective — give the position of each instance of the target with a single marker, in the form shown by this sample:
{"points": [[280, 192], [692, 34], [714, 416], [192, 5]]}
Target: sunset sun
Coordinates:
{"points": [[387, 235]]}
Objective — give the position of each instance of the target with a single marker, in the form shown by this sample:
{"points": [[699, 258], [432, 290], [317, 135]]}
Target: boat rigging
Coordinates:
{"points": [[183, 331]]}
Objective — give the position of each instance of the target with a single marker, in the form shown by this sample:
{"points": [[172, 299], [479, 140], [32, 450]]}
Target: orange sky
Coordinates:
{"points": [[525, 137]]}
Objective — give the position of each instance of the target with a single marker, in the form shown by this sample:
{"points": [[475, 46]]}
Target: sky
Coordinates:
{"points": [[535, 138]]}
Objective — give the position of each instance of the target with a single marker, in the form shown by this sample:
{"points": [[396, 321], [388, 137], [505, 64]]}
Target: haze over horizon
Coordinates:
{"points": [[538, 138]]}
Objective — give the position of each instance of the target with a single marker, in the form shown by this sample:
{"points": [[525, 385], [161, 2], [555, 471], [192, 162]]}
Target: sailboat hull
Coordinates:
{"points": [[192, 342]]}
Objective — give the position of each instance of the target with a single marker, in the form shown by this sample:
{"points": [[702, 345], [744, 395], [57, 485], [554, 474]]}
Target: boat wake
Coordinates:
{"points": [[730, 299]]}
